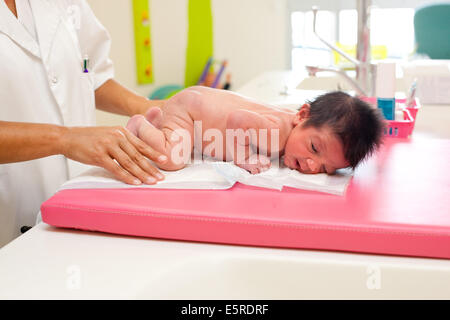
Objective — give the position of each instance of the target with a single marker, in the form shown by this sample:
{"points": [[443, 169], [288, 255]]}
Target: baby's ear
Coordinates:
{"points": [[302, 114]]}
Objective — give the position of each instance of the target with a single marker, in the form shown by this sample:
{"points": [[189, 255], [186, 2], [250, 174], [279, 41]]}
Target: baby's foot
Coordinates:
{"points": [[154, 116], [256, 163], [135, 123]]}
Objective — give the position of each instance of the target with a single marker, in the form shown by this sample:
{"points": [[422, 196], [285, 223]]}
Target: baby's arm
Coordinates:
{"points": [[259, 130]]}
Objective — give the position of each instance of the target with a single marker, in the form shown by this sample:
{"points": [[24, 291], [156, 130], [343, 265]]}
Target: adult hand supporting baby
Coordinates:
{"points": [[117, 143], [116, 150]]}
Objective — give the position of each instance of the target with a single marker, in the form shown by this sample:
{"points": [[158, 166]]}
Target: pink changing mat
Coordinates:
{"points": [[398, 203]]}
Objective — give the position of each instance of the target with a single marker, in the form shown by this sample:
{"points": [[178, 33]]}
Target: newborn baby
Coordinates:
{"points": [[334, 131]]}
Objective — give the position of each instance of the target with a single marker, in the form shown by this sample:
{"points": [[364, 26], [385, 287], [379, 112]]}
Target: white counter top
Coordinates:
{"points": [[52, 263], [47, 262]]}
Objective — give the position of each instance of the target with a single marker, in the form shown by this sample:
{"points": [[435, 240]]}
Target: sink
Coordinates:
{"points": [[329, 81], [103, 266], [325, 81], [260, 278]]}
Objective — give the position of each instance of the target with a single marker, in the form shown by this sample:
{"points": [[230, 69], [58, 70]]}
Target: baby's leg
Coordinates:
{"points": [[154, 116], [171, 131], [147, 132], [165, 141]]}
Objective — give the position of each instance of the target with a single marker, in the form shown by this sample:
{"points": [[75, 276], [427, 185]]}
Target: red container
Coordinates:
{"points": [[399, 128]]}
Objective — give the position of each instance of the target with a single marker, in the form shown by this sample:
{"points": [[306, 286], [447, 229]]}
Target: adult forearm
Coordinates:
{"points": [[21, 141], [115, 98], [113, 148]]}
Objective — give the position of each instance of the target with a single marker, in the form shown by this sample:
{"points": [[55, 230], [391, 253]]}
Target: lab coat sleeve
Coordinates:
{"points": [[95, 42]]}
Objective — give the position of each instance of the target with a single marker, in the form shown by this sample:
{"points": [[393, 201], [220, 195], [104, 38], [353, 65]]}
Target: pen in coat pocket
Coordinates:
{"points": [[85, 63]]}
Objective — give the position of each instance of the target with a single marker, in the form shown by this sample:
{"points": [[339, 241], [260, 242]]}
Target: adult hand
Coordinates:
{"points": [[116, 149]]}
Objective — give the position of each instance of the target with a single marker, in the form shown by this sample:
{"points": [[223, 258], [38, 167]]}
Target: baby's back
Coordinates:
{"points": [[212, 106], [199, 109]]}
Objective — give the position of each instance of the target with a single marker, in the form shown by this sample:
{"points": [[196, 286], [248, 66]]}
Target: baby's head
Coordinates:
{"points": [[334, 131]]}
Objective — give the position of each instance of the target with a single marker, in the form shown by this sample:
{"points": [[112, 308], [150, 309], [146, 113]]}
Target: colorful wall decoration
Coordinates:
{"points": [[199, 41], [143, 43]]}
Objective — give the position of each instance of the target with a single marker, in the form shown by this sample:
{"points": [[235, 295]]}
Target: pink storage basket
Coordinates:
{"points": [[399, 128]]}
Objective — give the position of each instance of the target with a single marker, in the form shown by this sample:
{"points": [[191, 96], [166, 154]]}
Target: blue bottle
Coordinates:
{"points": [[385, 88]]}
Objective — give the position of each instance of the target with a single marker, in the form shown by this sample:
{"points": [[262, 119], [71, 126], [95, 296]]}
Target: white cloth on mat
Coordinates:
{"points": [[212, 174]]}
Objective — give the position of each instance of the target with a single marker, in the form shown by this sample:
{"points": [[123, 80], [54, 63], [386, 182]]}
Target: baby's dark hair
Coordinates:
{"points": [[358, 125]]}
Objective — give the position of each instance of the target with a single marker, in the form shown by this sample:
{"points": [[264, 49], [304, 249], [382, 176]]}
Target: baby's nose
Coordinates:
{"points": [[312, 165]]}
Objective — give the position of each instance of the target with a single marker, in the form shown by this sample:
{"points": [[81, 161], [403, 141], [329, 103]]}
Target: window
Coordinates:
{"points": [[307, 48], [391, 33], [393, 28]]}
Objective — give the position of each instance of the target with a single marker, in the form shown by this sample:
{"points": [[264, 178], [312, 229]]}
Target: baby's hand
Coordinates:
{"points": [[256, 163]]}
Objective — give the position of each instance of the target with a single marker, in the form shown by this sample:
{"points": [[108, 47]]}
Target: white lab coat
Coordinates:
{"points": [[43, 82]]}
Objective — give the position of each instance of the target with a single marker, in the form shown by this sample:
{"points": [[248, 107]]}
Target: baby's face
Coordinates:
{"points": [[312, 150]]}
